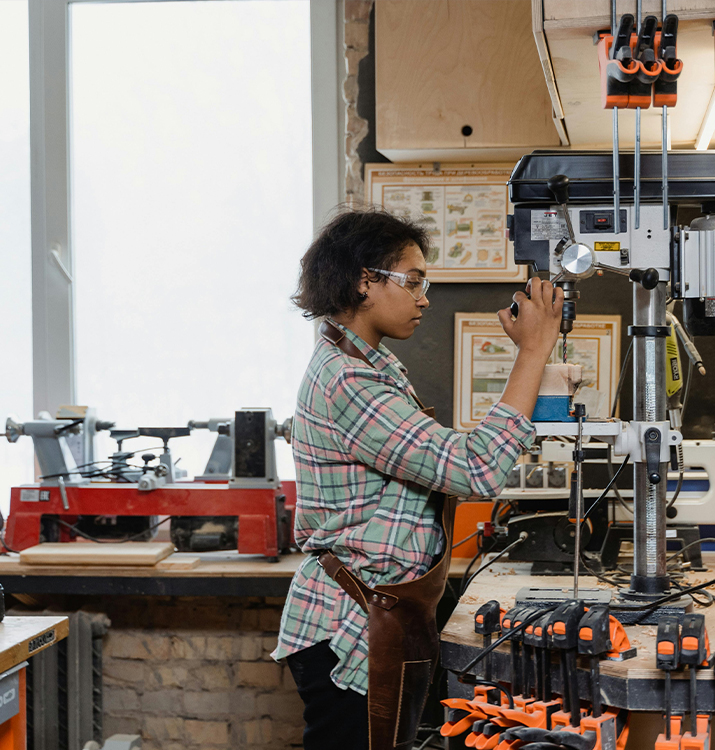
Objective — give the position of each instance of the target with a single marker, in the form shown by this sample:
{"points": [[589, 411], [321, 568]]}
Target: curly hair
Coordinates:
{"points": [[331, 269]]}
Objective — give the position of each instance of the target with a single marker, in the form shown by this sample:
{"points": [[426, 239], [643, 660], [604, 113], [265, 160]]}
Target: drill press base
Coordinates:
{"points": [[630, 610], [547, 596]]}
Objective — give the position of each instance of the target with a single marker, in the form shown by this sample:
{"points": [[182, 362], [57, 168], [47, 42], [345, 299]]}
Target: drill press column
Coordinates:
{"points": [[649, 405]]}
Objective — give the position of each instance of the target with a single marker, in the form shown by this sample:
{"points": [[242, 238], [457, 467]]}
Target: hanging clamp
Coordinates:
{"points": [[665, 91]]}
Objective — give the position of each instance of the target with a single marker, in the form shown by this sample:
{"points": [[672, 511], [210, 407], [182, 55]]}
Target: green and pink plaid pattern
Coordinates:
{"points": [[366, 460]]}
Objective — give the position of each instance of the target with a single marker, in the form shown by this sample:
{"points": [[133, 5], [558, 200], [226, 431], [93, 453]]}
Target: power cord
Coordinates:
{"points": [[107, 541], [509, 634], [522, 538]]}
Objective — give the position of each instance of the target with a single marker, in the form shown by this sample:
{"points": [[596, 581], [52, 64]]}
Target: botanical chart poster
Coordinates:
{"points": [[464, 208], [484, 355]]}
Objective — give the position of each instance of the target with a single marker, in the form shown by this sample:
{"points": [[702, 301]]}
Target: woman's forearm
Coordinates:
{"points": [[522, 387]]}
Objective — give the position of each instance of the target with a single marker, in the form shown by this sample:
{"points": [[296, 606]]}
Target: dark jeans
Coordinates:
{"points": [[334, 718]]}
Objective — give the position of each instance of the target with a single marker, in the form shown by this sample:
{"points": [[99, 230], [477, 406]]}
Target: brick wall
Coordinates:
{"points": [[190, 673], [356, 35]]}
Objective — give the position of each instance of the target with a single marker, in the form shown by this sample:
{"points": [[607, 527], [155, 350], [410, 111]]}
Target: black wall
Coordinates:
{"points": [[429, 354]]}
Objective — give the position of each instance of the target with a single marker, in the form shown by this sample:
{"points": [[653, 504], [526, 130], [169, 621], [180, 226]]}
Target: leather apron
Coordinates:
{"points": [[403, 641]]}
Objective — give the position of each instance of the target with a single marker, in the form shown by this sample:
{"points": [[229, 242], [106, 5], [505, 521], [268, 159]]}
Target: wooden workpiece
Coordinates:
{"points": [[210, 564], [95, 553], [22, 637], [182, 564], [460, 644]]}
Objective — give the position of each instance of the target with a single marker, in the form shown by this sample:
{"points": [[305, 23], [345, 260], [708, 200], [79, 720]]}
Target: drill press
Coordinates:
{"points": [[566, 225]]}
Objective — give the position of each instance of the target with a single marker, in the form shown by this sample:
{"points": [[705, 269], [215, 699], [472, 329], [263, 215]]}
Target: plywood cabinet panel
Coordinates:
{"points": [[569, 26], [445, 64]]}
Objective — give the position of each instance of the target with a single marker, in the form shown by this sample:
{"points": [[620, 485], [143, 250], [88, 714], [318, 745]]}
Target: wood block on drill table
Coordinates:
{"points": [[560, 380], [93, 553], [179, 562]]}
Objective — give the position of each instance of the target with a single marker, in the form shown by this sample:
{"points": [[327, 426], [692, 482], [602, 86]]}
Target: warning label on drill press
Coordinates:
{"points": [[607, 247], [547, 225]]}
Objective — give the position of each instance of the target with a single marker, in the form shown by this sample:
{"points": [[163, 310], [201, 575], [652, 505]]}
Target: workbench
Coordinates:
{"points": [[634, 684], [21, 638], [218, 574]]}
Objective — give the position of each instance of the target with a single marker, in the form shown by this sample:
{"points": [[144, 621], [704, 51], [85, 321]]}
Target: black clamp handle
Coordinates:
{"points": [[594, 631], [622, 42], [668, 41], [667, 643], [693, 648], [486, 618], [652, 454], [645, 46], [564, 624]]}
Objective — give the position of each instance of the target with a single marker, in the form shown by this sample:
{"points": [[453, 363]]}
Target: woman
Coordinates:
{"points": [[370, 467]]}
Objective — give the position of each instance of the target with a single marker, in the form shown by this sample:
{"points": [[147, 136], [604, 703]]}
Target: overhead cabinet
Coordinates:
{"points": [[459, 80]]}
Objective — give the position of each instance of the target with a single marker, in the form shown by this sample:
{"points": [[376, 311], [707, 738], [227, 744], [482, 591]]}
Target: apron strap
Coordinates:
{"points": [[352, 585], [335, 336]]}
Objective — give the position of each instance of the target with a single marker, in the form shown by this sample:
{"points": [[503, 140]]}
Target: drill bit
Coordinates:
{"points": [[563, 347]]}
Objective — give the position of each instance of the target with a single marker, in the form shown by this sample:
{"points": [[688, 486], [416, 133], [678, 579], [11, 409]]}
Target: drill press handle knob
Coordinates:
{"points": [[559, 186], [647, 278]]}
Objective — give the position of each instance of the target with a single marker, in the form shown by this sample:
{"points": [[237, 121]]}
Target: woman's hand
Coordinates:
{"points": [[536, 329], [534, 332]]}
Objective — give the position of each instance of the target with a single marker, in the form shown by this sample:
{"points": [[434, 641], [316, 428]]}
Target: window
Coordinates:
{"points": [[16, 461], [191, 207]]}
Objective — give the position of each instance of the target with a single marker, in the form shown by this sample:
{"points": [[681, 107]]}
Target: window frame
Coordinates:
{"points": [[53, 330]]}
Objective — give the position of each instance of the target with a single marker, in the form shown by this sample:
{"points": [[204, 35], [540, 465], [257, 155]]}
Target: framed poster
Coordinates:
{"points": [[484, 355], [464, 207]]}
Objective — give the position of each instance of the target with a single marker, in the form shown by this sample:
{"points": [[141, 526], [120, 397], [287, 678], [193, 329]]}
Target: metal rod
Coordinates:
{"points": [[649, 405], [514, 667], [668, 705], [612, 269], [567, 218], [614, 20], [664, 157], [579, 493], [539, 673], [525, 661], [616, 175], [486, 642], [693, 706], [595, 687], [546, 660], [639, 14], [574, 702], [637, 168], [566, 696]]}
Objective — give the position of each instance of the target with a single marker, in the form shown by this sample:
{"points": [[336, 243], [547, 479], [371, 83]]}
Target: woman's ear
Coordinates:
{"points": [[364, 285]]}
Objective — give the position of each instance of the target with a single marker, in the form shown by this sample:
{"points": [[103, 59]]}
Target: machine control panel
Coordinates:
{"points": [[594, 222]]}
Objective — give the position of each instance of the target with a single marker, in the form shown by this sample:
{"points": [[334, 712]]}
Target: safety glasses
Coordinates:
{"points": [[416, 286]]}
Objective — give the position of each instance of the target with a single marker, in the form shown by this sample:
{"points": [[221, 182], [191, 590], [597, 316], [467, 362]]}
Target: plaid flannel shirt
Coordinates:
{"points": [[366, 460]]}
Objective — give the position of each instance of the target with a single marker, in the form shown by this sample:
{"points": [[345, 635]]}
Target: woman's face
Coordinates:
{"points": [[392, 311]]}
